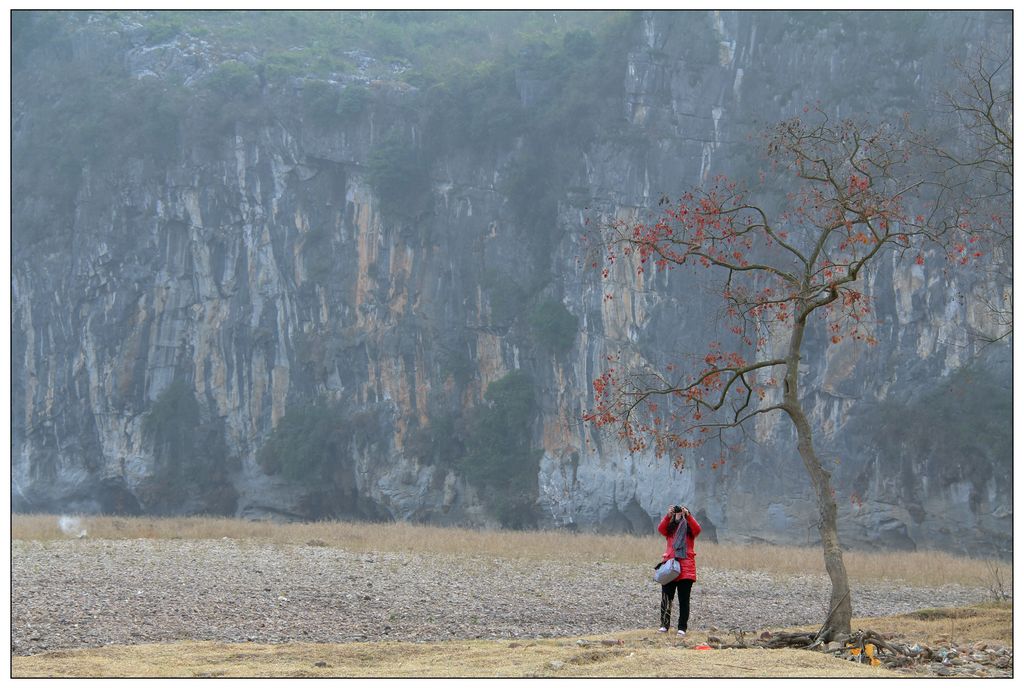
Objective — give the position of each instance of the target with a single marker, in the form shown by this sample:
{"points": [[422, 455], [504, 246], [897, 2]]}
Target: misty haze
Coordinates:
{"points": [[335, 328]]}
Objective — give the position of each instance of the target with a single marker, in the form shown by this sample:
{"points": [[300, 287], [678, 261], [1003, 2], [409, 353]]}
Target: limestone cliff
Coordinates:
{"points": [[172, 316]]}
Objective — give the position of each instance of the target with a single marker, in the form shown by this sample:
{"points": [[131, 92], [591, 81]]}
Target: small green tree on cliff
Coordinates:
{"points": [[782, 271]]}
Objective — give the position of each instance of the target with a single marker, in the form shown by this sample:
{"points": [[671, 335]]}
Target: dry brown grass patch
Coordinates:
{"points": [[990, 622], [948, 613], [915, 568], [641, 654]]}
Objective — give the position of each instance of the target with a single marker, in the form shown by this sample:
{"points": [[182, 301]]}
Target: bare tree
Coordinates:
{"points": [[973, 165], [982, 104]]}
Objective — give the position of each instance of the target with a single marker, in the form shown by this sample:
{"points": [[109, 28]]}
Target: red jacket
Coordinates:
{"points": [[687, 566]]}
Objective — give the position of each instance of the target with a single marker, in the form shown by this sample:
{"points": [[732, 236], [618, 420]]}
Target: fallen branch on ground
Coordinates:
{"points": [[877, 649]]}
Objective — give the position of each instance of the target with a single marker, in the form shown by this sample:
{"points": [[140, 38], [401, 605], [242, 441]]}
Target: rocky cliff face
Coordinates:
{"points": [[182, 315]]}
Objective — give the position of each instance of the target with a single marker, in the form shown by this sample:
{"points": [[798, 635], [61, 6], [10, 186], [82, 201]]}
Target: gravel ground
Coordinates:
{"points": [[89, 593]]}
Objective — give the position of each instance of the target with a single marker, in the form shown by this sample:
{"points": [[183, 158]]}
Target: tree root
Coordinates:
{"points": [[866, 646]]}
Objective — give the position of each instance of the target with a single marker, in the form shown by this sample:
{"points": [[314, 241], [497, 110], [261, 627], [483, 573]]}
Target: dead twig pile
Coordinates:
{"points": [[883, 649]]}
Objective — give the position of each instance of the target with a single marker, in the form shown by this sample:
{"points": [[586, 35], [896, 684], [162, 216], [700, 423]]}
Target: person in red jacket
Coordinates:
{"points": [[680, 529]]}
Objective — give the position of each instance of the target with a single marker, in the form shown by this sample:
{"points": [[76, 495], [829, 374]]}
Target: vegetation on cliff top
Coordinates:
{"points": [[320, 43], [471, 70]]}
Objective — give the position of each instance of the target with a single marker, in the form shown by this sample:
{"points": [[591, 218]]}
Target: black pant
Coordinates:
{"points": [[667, 593]]}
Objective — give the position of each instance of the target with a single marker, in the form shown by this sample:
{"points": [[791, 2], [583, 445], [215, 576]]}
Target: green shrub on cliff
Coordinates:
{"points": [[400, 177], [191, 457], [232, 80], [505, 296], [307, 442], [312, 443], [171, 420], [438, 442], [455, 361], [499, 459], [320, 102], [352, 102], [325, 106], [553, 326], [162, 29], [959, 426], [532, 182], [474, 107]]}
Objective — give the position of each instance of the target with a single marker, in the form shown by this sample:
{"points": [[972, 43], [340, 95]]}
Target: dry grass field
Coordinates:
{"points": [[640, 654], [925, 568], [632, 653], [541, 658]]}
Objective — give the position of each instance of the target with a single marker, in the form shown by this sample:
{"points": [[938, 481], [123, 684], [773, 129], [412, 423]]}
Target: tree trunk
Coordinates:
{"points": [[840, 605]]}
